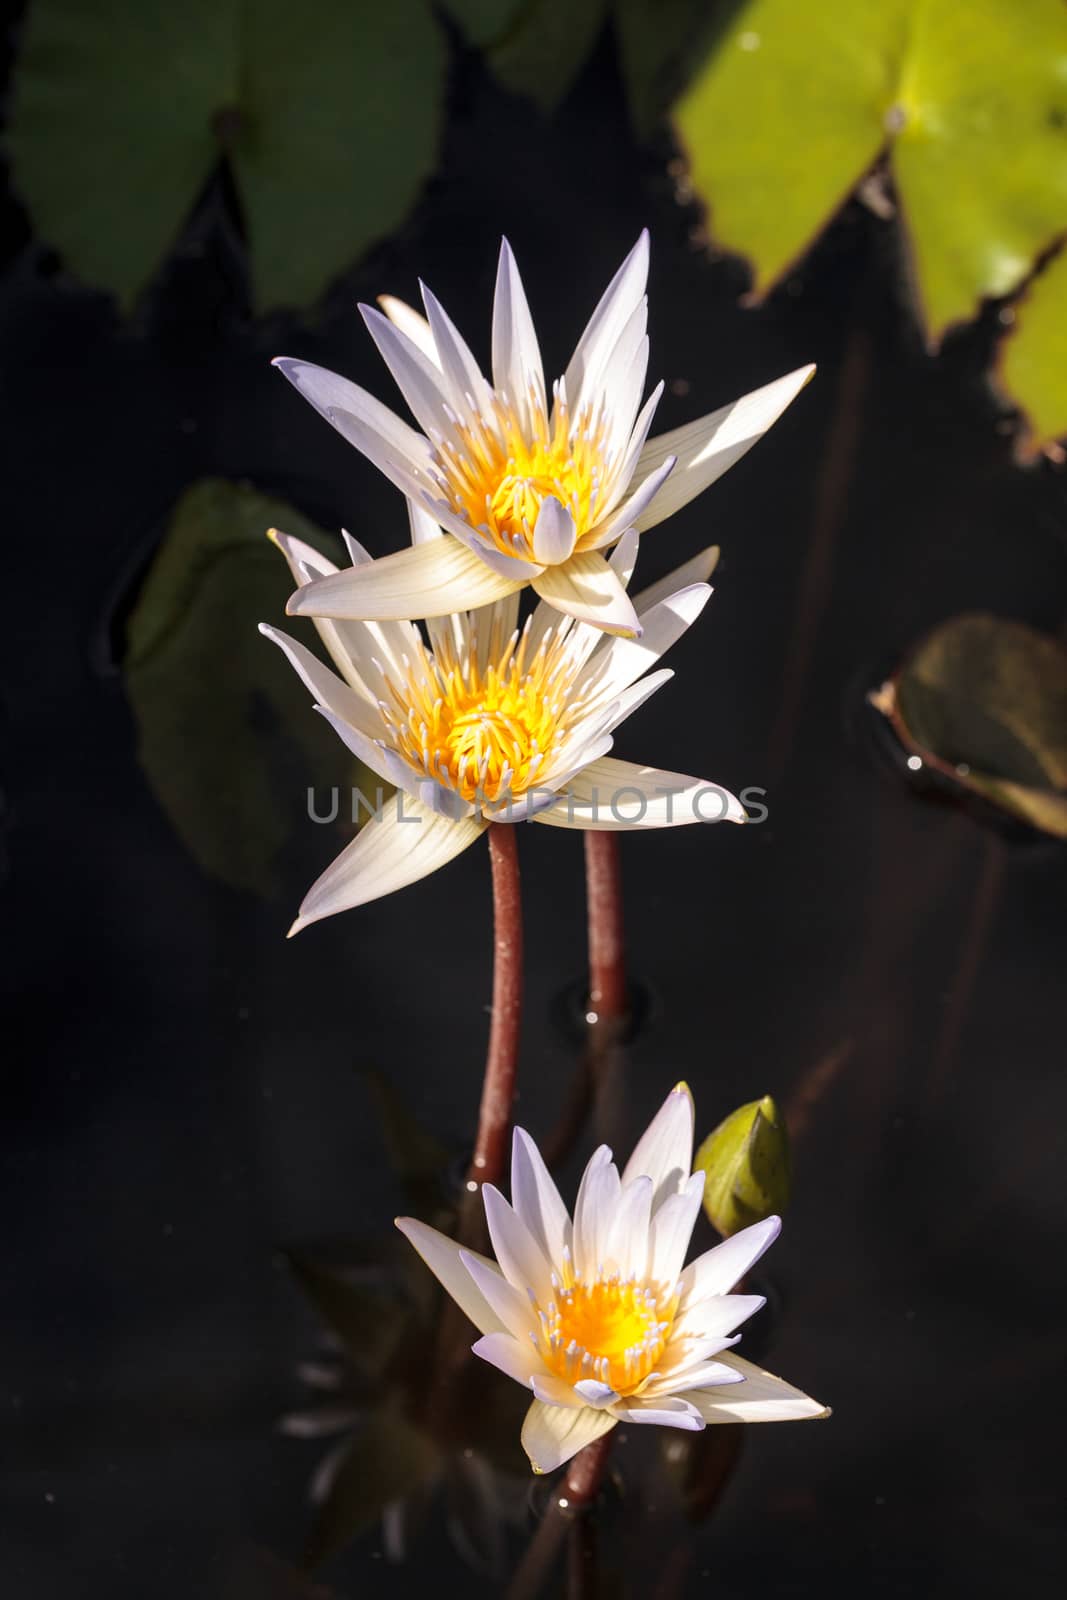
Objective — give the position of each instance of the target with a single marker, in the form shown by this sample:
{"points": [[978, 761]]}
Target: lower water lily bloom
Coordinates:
{"points": [[598, 1316], [490, 722], [529, 492]]}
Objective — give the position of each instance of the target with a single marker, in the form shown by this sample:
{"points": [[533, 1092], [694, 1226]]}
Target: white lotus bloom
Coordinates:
{"points": [[597, 1316], [530, 493], [491, 722]]}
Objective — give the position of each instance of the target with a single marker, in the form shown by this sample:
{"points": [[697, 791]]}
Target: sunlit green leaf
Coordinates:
{"points": [[1032, 365], [983, 700], [388, 1459], [225, 733], [746, 1160], [970, 101], [787, 115], [542, 53], [328, 111]]}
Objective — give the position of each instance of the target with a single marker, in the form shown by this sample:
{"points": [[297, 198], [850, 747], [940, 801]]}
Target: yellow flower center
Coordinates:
{"points": [[498, 478], [613, 1330], [482, 731]]}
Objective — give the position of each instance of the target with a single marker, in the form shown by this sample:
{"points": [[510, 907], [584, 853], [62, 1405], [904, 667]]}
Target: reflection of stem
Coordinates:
{"points": [[831, 490], [498, 1085], [607, 944], [586, 1473]]}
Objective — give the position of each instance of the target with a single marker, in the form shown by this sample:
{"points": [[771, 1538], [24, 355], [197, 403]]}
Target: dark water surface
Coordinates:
{"points": [[185, 1094]]}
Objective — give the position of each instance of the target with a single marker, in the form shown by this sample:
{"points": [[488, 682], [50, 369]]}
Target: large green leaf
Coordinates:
{"points": [[329, 112], [971, 102], [226, 735], [983, 701], [545, 48], [1032, 364]]}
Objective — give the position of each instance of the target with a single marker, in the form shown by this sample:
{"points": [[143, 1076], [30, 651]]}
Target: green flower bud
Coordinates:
{"points": [[746, 1159]]}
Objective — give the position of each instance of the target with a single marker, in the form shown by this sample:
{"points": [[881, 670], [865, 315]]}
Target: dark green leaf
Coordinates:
{"points": [[660, 42], [484, 22], [546, 47], [226, 734]]}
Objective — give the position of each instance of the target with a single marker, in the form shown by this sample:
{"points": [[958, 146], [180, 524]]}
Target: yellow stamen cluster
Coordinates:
{"points": [[496, 473], [612, 1330], [483, 730]]}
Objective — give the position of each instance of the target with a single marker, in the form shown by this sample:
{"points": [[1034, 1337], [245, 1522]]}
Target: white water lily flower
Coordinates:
{"points": [[597, 1316], [492, 723], [529, 493]]}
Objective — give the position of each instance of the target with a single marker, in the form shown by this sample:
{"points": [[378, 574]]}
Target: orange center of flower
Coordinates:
{"points": [[483, 731], [612, 1330], [498, 477]]}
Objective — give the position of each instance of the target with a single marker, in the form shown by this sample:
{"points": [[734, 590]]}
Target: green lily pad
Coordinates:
{"points": [[746, 1159], [983, 700], [328, 112], [1031, 367], [970, 103], [225, 733], [541, 54]]}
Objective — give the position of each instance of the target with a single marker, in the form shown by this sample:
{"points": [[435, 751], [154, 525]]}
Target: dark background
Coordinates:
{"points": [[182, 1091]]}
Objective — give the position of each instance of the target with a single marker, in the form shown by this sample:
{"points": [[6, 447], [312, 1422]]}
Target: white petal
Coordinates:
{"points": [[608, 794], [536, 1198], [586, 587], [703, 1375], [664, 1151], [627, 1248], [622, 383], [407, 844], [515, 1357], [629, 514], [516, 565], [620, 662], [614, 310], [412, 323], [425, 580], [594, 1211], [442, 1255], [555, 1392], [517, 368], [697, 570], [707, 447], [671, 1230], [717, 1270], [624, 556], [512, 1307], [592, 1393], [551, 1435], [396, 449], [470, 390], [422, 383], [554, 533], [713, 1317], [520, 1257], [665, 1411], [636, 443], [761, 1398]]}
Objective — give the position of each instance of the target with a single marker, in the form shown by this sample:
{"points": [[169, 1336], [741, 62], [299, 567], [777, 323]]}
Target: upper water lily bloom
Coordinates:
{"points": [[530, 493], [492, 723], [597, 1316]]}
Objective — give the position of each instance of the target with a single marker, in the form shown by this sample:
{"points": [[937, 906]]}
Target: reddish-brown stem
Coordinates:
{"points": [[607, 942], [498, 1085], [586, 1473]]}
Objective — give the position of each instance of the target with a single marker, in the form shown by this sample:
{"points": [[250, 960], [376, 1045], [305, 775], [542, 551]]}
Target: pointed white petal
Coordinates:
{"points": [[515, 1357], [624, 557], [622, 383], [665, 1411], [407, 844], [422, 382], [555, 1392], [551, 1435], [511, 1305], [664, 1151], [395, 448], [717, 1270], [614, 310], [710, 1318], [627, 1247], [620, 662], [410, 322], [697, 570], [671, 1230], [326, 688], [536, 1198], [708, 447], [586, 587], [425, 580], [554, 533], [594, 1211], [441, 1254], [463, 373], [518, 565], [761, 1398], [305, 564], [609, 795], [519, 1256], [423, 526], [517, 368], [706, 1375], [597, 1395], [637, 440], [629, 514]]}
